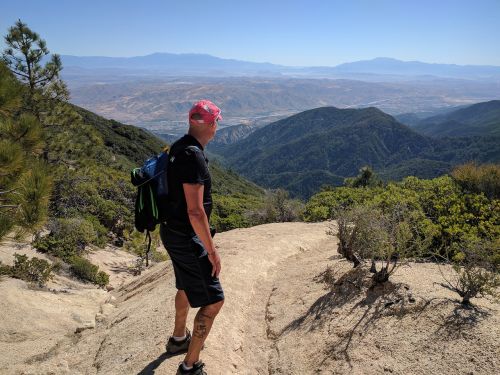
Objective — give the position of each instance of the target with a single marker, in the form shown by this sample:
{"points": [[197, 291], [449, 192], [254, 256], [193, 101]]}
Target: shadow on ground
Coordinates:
{"points": [[461, 320], [369, 303], [152, 366]]}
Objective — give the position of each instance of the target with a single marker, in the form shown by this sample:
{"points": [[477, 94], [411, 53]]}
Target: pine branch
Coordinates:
{"points": [[20, 74], [42, 80]]}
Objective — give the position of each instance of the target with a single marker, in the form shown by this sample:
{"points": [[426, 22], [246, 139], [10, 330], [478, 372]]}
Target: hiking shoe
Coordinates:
{"points": [[174, 347], [196, 370]]}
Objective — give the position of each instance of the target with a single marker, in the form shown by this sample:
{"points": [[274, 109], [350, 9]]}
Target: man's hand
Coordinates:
{"points": [[214, 258]]}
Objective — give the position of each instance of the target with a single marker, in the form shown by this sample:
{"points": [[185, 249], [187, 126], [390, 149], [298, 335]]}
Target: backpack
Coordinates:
{"points": [[152, 194], [151, 202]]}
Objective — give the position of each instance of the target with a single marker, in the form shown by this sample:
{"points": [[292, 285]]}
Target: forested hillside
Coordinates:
{"points": [[325, 145], [481, 119]]}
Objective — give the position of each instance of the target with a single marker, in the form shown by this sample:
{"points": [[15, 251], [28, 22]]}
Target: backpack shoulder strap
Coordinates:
{"points": [[191, 149]]}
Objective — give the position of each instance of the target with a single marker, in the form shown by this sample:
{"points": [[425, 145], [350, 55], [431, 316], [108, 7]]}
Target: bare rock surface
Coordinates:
{"points": [[9, 246], [117, 263], [284, 314]]}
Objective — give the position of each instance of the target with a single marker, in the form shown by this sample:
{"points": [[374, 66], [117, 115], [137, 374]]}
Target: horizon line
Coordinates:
{"points": [[270, 63]]}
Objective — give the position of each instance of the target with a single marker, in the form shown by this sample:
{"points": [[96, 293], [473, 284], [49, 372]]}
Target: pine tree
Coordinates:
{"points": [[25, 184], [45, 95], [10, 93], [23, 56], [365, 178]]}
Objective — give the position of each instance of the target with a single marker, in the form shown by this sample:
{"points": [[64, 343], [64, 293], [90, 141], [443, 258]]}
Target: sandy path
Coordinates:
{"points": [[239, 342], [130, 339], [279, 318]]}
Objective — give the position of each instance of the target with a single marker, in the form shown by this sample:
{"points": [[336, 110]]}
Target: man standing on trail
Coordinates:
{"points": [[188, 238]]}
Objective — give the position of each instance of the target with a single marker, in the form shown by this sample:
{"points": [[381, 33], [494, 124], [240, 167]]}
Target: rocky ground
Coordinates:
{"points": [[292, 307]]}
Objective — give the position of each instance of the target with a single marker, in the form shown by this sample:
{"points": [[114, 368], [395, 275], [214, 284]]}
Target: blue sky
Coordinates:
{"points": [[298, 33]]}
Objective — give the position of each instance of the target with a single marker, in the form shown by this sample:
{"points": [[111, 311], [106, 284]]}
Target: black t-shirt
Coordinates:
{"points": [[187, 164]]}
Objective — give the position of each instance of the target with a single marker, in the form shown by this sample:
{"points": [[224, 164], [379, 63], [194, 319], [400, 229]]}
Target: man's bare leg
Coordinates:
{"points": [[181, 313], [202, 325]]}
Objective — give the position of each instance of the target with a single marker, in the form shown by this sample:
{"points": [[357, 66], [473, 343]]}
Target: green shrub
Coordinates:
{"points": [[458, 217], [477, 179], [67, 237], [93, 191], [35, 270], [441, 211], [51, 245], [85, 270], [159, 256], [394, 199], [102, 279], [76, 231], [325, 204], [100, 231], [229, 211], [285, 208], [4, 269]]}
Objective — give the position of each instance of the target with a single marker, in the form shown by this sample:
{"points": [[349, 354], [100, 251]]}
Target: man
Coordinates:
{"points": [[188, 239]]}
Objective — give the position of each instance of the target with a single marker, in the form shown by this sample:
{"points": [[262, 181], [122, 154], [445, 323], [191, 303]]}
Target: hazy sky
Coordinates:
{"points": [[306, 32]]}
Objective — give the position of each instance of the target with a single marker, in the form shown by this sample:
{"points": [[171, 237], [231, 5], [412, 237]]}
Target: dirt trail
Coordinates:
{"points": [[130, 338], [280, 318]]}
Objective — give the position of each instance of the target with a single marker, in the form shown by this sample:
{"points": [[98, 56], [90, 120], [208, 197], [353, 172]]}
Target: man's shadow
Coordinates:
{"points": [[152, 366]]}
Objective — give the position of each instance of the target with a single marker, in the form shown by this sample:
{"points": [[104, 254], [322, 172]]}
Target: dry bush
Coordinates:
{"points": [[348, 234], [277, 208], [385, 238], [328, 277], [476, 270]]}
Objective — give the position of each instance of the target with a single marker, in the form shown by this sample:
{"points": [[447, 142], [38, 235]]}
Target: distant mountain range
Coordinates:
{"points": [[325, 145], [388, 66], [172, 64], [169, 64]]}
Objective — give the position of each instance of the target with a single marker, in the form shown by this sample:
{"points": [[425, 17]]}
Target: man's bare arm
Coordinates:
{"points": [[199, 222]]}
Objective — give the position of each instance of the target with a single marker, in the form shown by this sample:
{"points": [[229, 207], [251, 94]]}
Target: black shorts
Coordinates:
{"points": [[193, 270]]}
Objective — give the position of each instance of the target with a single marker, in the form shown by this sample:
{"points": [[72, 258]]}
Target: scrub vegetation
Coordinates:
{"points": [[454, 218]]}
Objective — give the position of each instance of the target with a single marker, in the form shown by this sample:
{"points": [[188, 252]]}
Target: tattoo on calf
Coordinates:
{"points": [[200, 325]]}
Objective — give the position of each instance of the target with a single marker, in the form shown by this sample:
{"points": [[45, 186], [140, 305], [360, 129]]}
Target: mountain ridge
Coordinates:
{"points": [[480, 119], [325, 145], [203, 64]]}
